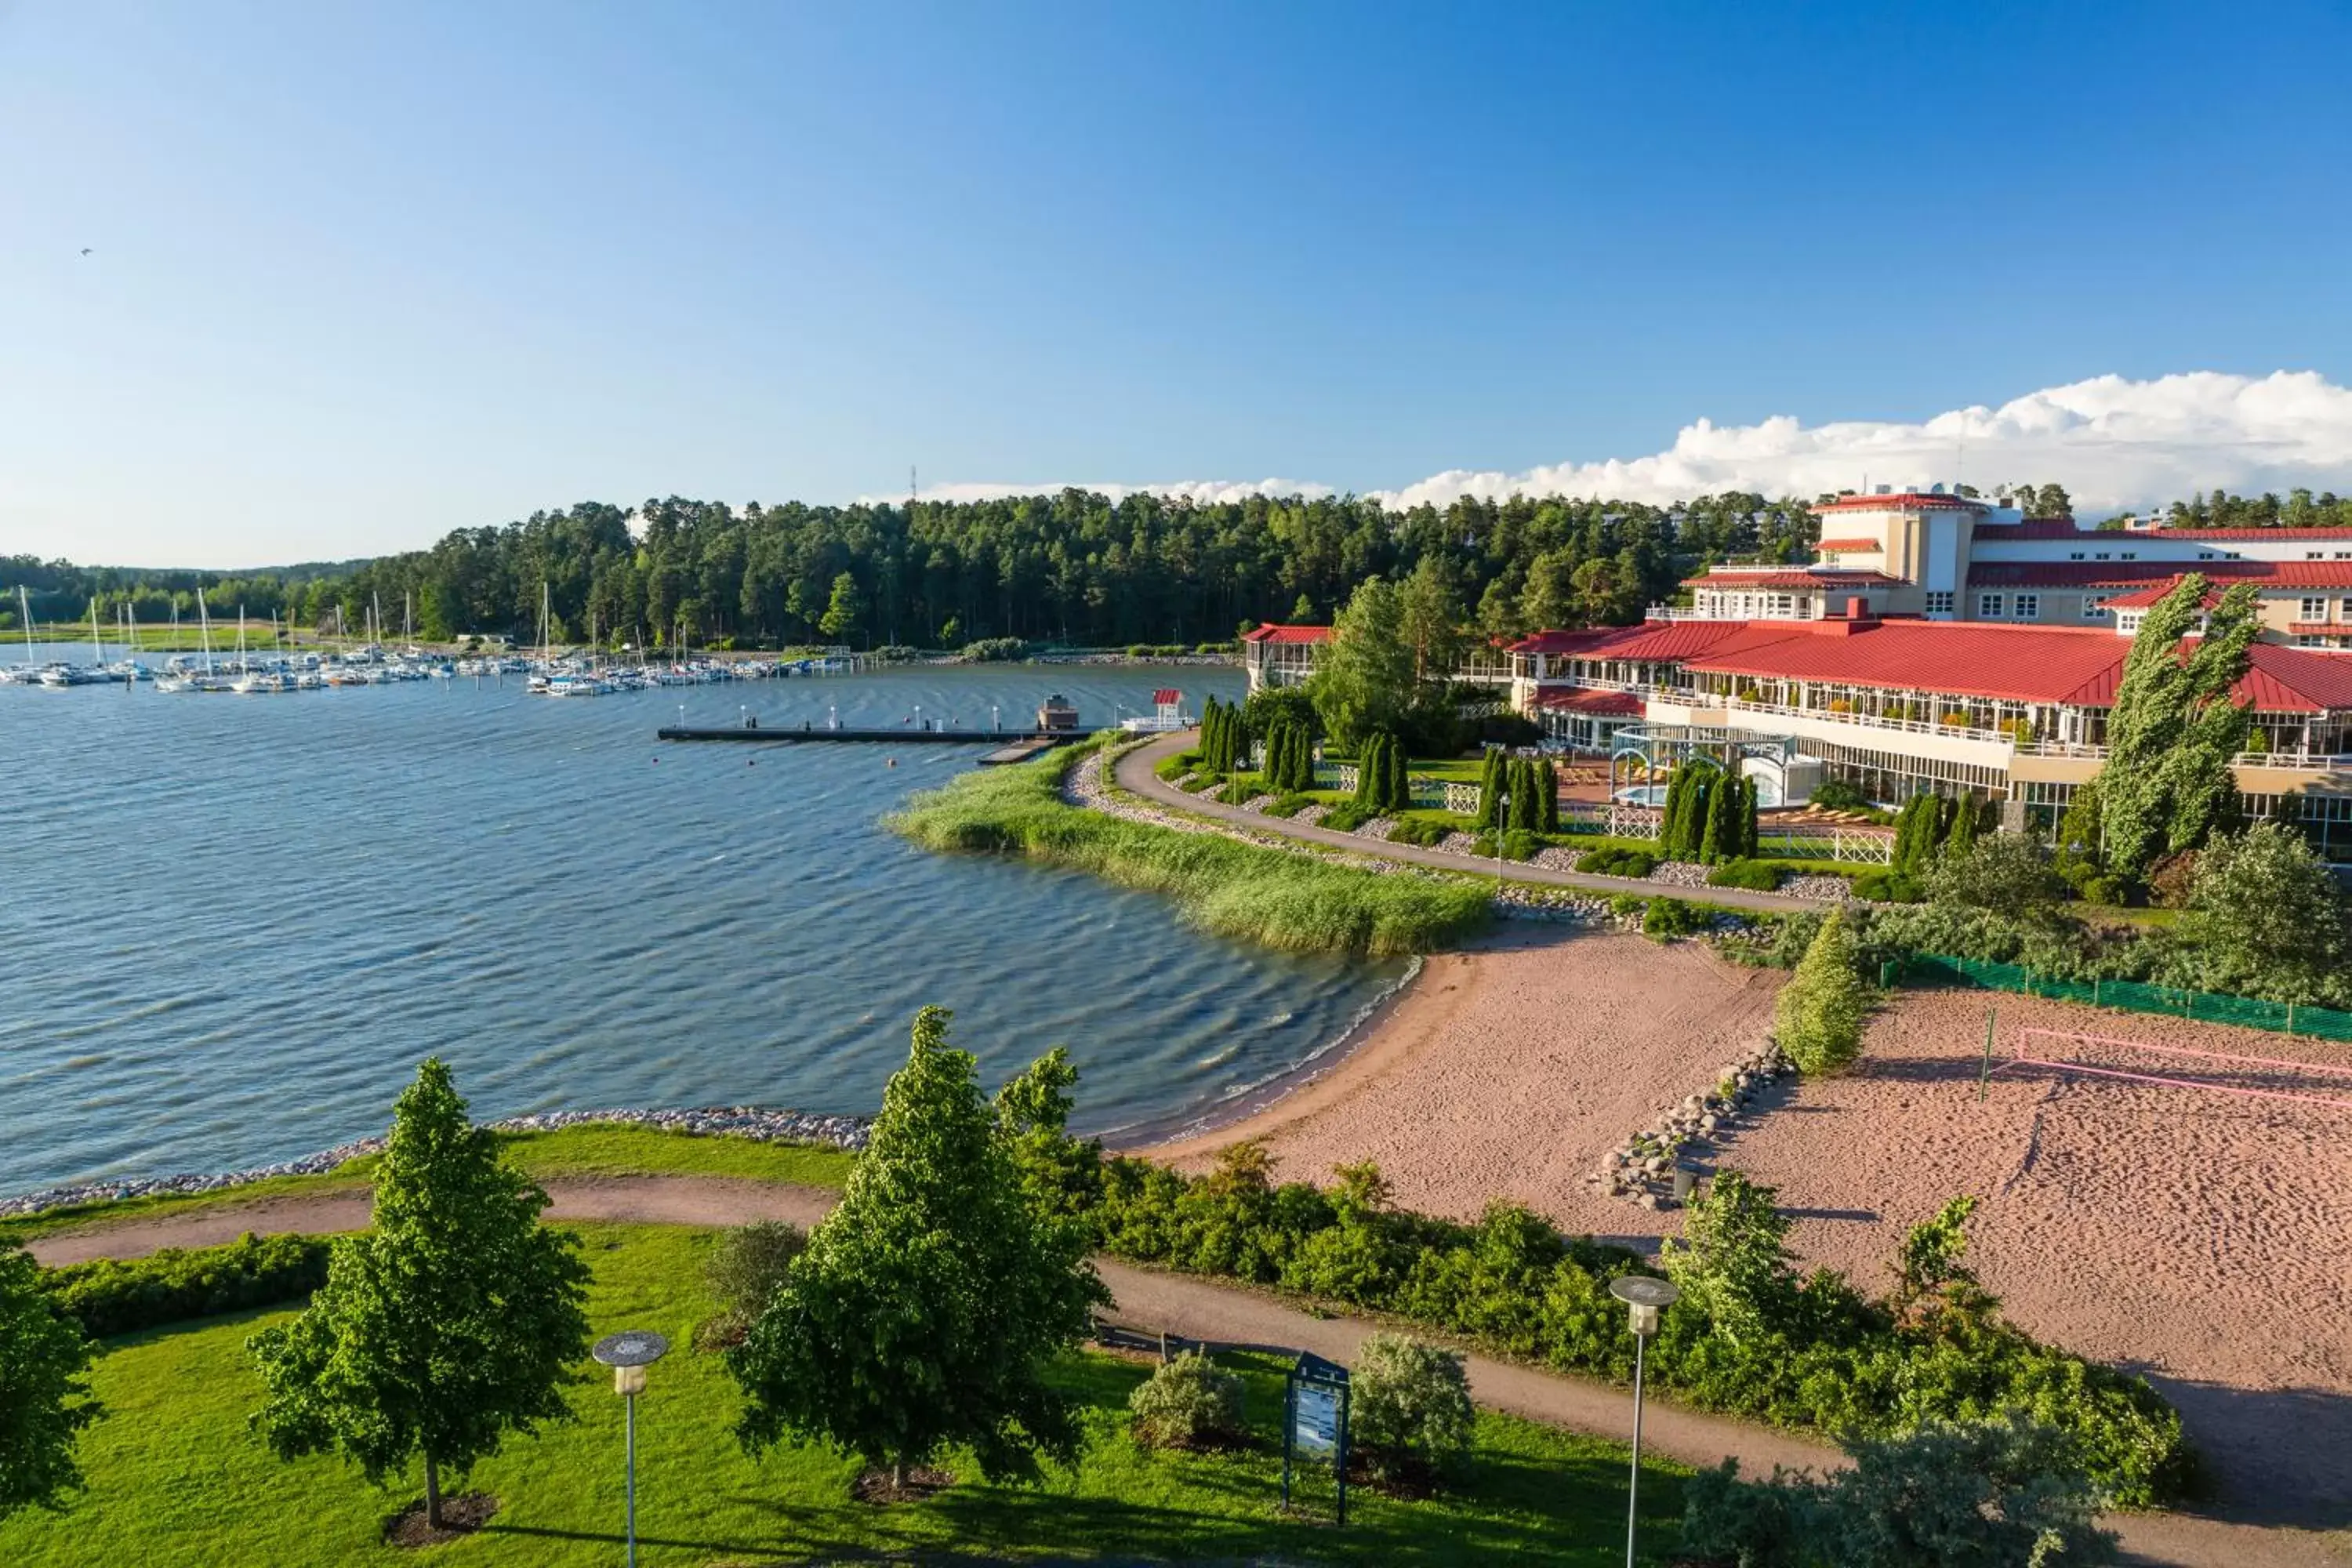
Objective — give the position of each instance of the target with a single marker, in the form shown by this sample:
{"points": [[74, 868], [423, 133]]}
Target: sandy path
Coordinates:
{"points": [[1509, 1070], [1153, 1301]]}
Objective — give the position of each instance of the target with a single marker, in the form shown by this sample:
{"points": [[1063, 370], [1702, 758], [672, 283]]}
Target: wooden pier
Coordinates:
{"points": [[1011, 746]]}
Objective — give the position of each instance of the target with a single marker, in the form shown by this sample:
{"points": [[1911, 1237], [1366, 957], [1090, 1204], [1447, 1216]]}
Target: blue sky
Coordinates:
{"points": [[363, 274]]}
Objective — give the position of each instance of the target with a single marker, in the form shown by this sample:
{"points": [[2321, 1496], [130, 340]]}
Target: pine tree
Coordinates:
{"points": [[1400, 780], [934, 1300], [453, 1321], [1525, 813], [1747, 837], [1547, 794], [1366, 773], [1962, 838]]}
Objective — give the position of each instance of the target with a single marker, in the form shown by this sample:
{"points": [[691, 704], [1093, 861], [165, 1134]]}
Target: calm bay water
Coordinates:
{"points": [[231, 926]]}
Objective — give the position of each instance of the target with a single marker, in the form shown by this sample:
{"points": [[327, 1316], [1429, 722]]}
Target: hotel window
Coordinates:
{"points": [[2102, 555], [2204, 555], [2094, 605], [1939, 602], [1988, 606], [2344, 556], [2129, 555], [2315, 609], [2315, 555], [2028, 606], [2348, 609], [2074, 555], [2128, 621], [1781, 606]]}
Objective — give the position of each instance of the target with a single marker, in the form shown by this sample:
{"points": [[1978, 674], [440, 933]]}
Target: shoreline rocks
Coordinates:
{"points": [[1641, 1169], [766, 1126]]}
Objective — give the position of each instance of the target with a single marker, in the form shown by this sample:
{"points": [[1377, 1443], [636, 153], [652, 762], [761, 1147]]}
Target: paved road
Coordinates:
{"points": [[1153, 1303], [1135, 775]]}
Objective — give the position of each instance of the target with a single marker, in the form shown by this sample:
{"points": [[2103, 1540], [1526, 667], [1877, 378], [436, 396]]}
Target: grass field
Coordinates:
{"points": [[609, 1149], [177, 1481], [1268, 896]]}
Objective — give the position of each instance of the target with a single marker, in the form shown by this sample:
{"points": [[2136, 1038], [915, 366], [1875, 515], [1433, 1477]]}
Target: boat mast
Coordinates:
{"points": [[97, 650], [205, 625], [25, 607]]}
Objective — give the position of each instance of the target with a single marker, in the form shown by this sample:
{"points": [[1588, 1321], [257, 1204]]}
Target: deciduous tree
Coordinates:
{"points": [[452, 1321], [44, 1400]]}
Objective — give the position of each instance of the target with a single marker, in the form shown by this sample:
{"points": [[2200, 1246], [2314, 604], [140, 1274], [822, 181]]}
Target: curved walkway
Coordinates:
{"points": [[1135, 775], [1199, 1308]]}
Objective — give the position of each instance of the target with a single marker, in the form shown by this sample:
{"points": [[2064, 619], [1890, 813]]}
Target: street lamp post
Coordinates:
{"points": [[1502, 815], [1645, 1298], [628, 1353]]}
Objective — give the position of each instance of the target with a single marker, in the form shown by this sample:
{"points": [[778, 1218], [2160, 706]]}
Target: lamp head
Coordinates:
{"points": [[1646, 1297]]}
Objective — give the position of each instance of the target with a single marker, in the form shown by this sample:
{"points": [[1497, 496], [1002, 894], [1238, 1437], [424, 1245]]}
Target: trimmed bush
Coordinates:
{"points": [[1289, 805], [1889, 887], [1409, 1411], [114, 1296], [1347, 815], [1419, 830], [1616, 861], [1757, 876], [1188, 1401], [1519, 844]]}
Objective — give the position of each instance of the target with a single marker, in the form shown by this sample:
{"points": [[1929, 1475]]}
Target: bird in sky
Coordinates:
{"points": [[85, 250]]}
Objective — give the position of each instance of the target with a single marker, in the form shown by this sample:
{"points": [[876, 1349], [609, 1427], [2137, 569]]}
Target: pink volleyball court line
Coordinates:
{"points": [[2186, 1051], [2058, 1066]]}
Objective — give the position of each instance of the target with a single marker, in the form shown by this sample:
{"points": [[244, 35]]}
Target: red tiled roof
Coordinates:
{"points": [[2134, 574], [2277, 680], [1271, 633], [2247, 535], [1606, 704], [1792, 577], [1166, 697], [2320, 629], [2147, 597], [1903, 501], [1831, 546], [1665, 642], [2026, 664], [1563, 642]]}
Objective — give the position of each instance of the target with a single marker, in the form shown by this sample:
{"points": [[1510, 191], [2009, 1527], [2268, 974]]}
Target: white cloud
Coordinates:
{"points": [[2113, 443]]}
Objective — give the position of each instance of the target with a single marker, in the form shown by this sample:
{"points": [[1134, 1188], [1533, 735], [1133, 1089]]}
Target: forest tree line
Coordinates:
{"points": [[1075, 569]]}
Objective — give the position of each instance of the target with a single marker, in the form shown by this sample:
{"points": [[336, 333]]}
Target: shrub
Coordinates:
{"points": [[1188, 1401], [1665, 918], [1289, 805], [114, 1296], [1347, 815], [1630, 905], [2267, 915], [1757, 876], [1421, 830], [1409, 1411], [1199, 782], [1170, 769], [2008, 873], [1838, 795], [1242, 790], [994, 650], [1520, 844], [749, 1265], [1984, 1492], [1889, 887], [1616, 861], [1818, 1015]]}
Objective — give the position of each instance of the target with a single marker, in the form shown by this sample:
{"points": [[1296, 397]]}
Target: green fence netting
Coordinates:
{"points": [[2130, 996]]}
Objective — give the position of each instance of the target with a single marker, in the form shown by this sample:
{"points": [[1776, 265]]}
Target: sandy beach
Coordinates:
{"points": [[2204, 1238]]}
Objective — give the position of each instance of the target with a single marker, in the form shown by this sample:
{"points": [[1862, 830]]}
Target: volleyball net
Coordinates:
{"points": [[2112, 1059]]}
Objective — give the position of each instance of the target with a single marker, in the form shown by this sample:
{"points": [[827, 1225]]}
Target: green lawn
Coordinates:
{"points": [[176, 1479], [609, 1149]]}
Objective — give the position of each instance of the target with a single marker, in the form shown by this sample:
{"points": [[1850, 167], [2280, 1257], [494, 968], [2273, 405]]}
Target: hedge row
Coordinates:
{"points": [[1839, 1362], [116, 1296]]}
